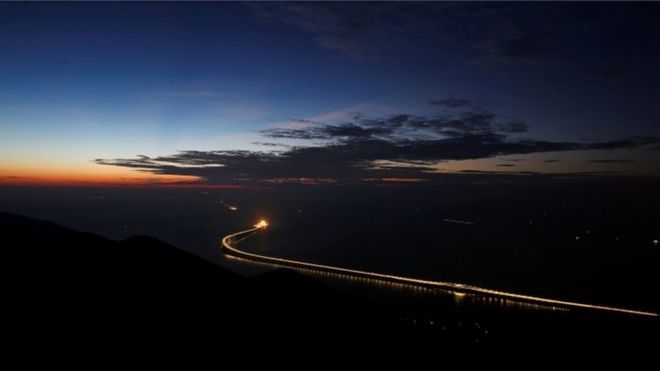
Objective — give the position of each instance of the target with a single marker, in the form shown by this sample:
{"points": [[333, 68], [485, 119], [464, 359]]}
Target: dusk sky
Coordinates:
{"points": [[241, 93]]}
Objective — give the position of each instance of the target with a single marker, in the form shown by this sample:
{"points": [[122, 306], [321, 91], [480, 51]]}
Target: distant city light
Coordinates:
{"points": [[655, 242], [228, 206]]}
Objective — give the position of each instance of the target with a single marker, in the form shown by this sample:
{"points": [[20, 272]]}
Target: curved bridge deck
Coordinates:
{"points": [[230, 249]]}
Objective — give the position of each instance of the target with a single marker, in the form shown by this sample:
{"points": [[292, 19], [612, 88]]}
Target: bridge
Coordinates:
{"points": [[229, 248]]}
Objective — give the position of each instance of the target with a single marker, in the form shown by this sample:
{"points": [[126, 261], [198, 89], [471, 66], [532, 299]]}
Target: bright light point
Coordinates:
{"points": [[233, 208], [459, 294], [655, 242], [262, 224]]}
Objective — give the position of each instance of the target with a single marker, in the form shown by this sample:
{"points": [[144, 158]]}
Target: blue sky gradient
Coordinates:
{"points": [[81, 81]]}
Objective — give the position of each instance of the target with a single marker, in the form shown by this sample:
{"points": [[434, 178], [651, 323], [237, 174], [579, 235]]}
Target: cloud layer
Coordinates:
{"points": [[496, 34], [396, 146]]}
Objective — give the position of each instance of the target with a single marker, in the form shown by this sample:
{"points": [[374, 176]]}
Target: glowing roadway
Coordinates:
{"points": [[230, 249]]}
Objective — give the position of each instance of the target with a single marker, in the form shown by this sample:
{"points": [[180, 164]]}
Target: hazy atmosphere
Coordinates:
{"points": [[472, 177]]}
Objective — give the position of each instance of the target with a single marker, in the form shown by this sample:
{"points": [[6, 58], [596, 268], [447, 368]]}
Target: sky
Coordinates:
{"points": [[227, 94]]}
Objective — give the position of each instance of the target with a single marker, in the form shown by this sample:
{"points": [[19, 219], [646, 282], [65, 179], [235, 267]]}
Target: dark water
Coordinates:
{"points": [[573, 240]]}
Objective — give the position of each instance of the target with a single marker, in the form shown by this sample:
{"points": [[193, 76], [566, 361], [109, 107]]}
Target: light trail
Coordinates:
{"points": [[453, 286], [457, 221]]}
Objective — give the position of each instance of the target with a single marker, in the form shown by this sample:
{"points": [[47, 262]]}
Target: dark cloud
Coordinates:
{"points": [[505, 165], [587, 173], [353, 29], [551, 161], [354, 150], [588, 41], [346, 130], [518, 47], [303, 121], [271, 144], [513, 127], [611, 161], [630, 142], [293, 133], [375, 29], [356, 131], [378, 29], [403, 127], [451, 102], [489, 172]]}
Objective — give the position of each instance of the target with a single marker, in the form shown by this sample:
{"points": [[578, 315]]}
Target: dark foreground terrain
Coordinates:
{"points": [[72, 295]]}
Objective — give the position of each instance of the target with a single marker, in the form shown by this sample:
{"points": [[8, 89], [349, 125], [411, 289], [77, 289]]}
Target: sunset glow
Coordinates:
{"points": [[91, 175]]}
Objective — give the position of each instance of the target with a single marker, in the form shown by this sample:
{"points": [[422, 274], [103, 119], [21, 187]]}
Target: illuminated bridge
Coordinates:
{"points": [[458, 288]]}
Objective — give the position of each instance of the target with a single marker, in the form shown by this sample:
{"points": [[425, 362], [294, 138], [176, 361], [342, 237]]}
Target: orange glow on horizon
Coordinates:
{"points": [[88, 176]]}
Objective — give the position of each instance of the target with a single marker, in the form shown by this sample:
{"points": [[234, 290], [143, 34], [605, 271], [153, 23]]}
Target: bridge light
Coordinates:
{"points": [[262, 224]]}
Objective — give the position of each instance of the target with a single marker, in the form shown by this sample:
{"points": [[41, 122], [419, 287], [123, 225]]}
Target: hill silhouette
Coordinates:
{"points": [[143, 290], [79, 291]]}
